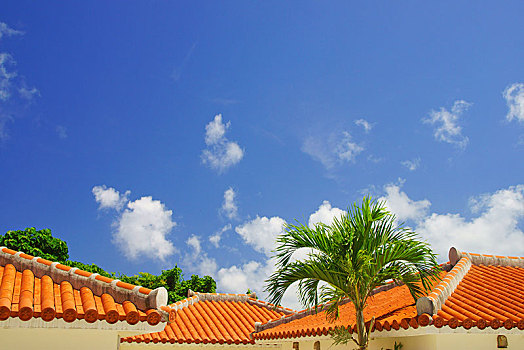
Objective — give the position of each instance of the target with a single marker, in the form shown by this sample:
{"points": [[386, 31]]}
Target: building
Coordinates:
{"points": [[46, 305], [478, 304]]}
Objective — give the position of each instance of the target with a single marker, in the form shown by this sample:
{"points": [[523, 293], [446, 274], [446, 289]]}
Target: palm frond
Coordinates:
{"points": [[361, 250]]}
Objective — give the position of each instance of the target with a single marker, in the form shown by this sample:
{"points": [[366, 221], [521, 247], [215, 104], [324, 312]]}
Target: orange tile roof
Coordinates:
{"points": [[213, 318], [486, 296], [31, 287], [391, 303], [479, 291]]}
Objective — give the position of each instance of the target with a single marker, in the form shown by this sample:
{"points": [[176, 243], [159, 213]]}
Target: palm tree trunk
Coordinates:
{"points": [[361, 330]]}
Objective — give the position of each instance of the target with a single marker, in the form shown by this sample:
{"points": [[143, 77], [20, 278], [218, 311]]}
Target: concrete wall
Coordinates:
{"points": [[57, 339], [160, 346], [439, 341]]}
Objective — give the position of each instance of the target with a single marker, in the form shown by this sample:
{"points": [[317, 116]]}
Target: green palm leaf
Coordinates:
{"points": [[360, 251]]}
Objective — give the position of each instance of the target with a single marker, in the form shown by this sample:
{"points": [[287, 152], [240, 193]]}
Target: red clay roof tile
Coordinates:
{"points": [[486, 294], [214, 318], [26, 296]]}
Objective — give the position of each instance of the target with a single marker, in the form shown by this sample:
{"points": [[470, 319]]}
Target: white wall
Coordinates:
{"points": [[438, 341], [57, 339]]}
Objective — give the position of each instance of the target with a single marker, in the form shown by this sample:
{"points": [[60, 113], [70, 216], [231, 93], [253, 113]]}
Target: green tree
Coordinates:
{"points": [[361, 250], [41, 243], [37, 243], [174, 282]]}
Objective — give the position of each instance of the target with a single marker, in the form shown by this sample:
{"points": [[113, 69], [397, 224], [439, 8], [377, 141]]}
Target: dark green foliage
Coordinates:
{"points": [[43, 244], [173, 281], [37, 243]]}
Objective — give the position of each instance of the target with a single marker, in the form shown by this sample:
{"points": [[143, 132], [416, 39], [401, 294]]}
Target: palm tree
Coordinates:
{"points": [[361, 250]]}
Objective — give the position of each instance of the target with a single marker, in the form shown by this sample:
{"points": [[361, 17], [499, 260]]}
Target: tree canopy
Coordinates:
{"points": [[41, 243], [361, 250]]}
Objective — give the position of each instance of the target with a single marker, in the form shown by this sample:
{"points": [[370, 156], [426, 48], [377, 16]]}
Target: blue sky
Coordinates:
{"points": [[152, 133]]}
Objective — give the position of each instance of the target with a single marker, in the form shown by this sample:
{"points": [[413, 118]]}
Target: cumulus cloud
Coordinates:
{"points": [[333, 150], [142, 230], [514, 95], [109, 198], [412, 164], [141, 226], [365, 124], [404, 208], [261, 233], [240, 278], [447, 124], [198, 258], [494, 230], [496, 227], [229, 207], [215, 238], [194, 242], [220, 153], [252, 275], [325, 214]]}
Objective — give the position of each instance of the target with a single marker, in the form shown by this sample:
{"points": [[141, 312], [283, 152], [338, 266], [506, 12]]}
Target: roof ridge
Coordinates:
{"points": [[485, 259], [259, 327], [221, 296], [143, 298], [432, 303], [195, 297]]}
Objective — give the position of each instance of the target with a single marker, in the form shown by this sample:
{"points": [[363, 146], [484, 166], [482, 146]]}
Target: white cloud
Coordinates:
{"points": [[6, 76], [446, 124], [347, 150], [229, 207], [194, 242], [109, 198], [199, 259], [405, 208], [252, 275], [365, 124], [412, 164], [9, 82], [216, 130], [220, 153], [239, 279], [261, 233], [514, 95], [6, 61], [333, 150], [7, 31], [215, 239], [325, 214], [28, 93], [496, 228], [142, 230]]}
